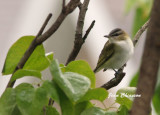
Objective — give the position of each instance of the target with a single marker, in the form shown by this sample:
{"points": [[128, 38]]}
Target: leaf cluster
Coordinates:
{"points": [[72, 86]]}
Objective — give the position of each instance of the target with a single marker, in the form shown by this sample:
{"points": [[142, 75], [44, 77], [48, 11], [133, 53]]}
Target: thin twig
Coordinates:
{"points": [[88, 30], [79, 31], [51, 102], [63, 6], [40, 39], [44, 25], [140, 31], [120, 74], [68, 9], [44, 110]]}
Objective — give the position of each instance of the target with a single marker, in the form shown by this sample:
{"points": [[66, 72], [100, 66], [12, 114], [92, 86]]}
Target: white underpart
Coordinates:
{"points": [[123, 51]]}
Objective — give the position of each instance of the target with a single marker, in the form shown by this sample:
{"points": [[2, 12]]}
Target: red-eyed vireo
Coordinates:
{"points": [[116, 52]]}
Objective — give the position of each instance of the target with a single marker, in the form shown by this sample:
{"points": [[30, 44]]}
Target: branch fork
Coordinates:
{"points": [[40, 38]]}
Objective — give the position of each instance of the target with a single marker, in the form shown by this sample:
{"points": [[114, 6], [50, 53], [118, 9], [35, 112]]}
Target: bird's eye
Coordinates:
{"points": [[115, 34]]}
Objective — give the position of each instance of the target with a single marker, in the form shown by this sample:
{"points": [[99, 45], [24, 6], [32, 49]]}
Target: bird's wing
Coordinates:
{"points": [[106, 53]]}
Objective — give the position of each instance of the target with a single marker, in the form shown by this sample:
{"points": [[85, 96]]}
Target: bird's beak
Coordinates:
{"points": [[106, 36]]}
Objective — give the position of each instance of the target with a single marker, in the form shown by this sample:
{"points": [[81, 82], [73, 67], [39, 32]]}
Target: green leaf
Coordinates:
{"points": [[133, 82], [37, 60], [80, 107], [51, 111], [77, 84], [50, 56], [156, 101], [29, 100], [16, 111], [111, 113], [122, 110], [74, 85], [129, 5], [67, 107], [62, 67], [95, 94], [125, 96], [40, 99], [142, 11], [50, 87], [24, 96], [93, 111], [7, 102], [139, 20], [156, 97], [22, 72], [83, 68]]}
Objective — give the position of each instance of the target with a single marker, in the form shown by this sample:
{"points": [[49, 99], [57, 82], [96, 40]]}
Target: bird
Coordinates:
{"points": [[116, 51]]}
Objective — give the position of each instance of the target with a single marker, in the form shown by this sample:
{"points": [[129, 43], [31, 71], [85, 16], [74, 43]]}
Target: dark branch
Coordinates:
{"points": [[63, 6], [116, 80], [44, 25], [88, 31], [120, 75], [40, 39], [79, 32], [80, 5], [68, 9]]}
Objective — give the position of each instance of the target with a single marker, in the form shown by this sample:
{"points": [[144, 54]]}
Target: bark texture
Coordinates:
{"points": [[149, 66]]}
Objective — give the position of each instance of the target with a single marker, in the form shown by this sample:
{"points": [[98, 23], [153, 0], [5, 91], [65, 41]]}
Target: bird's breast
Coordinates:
{"points": [[123, 51]]}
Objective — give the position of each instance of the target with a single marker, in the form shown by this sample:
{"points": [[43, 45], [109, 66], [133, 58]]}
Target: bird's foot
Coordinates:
{"points": [[116, 72]]}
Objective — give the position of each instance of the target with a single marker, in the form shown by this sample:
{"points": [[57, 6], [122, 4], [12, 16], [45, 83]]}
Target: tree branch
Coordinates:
{"points": [[150, 65], [44, 25], [63, 6], [80, 5], [140, 31], [41, 38], [120, 74], [30, 50], [88, 30], [68, 9], [116, 80], [79, 31]]}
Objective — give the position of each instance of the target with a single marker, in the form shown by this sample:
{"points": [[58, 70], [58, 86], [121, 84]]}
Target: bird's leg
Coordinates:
{"points": [[116, 71], [119, 71]]}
